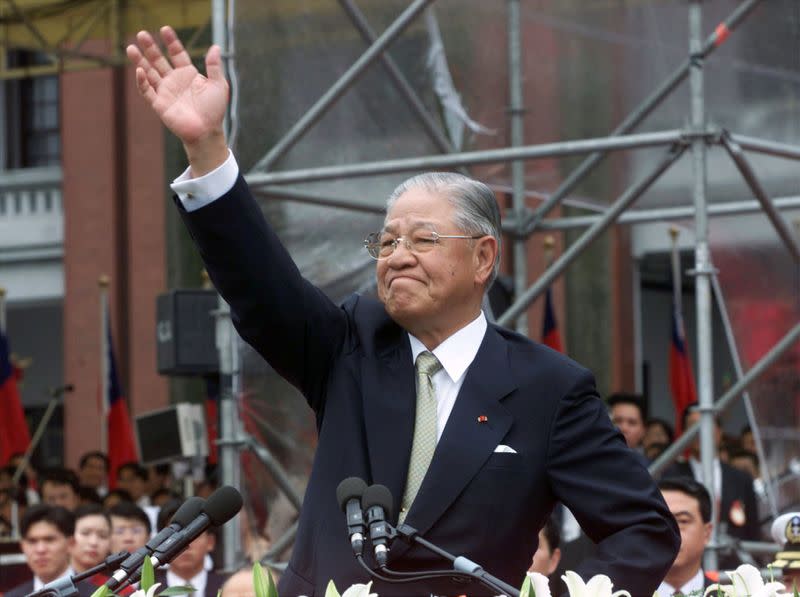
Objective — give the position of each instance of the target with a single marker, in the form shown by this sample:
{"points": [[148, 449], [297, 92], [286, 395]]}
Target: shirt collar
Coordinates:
{"points": [[198, 581], [458, 351], [694, 584], [38, 584]]}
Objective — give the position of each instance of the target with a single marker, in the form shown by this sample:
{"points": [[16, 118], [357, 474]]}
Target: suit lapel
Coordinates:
{"points": [[467, 442], [389, 403]]}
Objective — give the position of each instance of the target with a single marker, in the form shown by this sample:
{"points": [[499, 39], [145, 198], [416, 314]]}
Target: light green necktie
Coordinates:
{"points": [[424, 443]]}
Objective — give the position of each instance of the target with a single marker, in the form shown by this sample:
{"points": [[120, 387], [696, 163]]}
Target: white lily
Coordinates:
{"points": [[540, 584], [360, 591], [747, 580], [150, 592], [598, 586]]}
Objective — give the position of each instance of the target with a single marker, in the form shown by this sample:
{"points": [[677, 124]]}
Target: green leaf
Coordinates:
{"points": [[148, 575], [103, 591], [527, 588], [177, 591], [262, 582], [330, 590]]}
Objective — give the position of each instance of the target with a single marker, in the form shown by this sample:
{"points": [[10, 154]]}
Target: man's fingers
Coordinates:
{"points": [[153, 53], [214, 64], [177, 53], [145, 88], [135, 56]]}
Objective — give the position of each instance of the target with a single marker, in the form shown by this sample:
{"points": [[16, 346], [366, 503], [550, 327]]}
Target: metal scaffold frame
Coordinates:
{"points": [[521, 223]]}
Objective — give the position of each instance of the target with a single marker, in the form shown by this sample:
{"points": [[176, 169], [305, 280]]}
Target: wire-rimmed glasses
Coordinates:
{"points": [[381, 245]]}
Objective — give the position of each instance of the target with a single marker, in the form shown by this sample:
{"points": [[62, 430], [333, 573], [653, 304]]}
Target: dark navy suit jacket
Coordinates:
{"points": [[353, 364]]}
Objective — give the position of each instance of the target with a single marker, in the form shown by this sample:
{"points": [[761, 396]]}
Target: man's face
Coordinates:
{"points": [[693, 418], [58, 494], [127, 534], [435, 291], [190, 561], [46, 550], [93, 473], [545, 561], [92, 541], [628, 419], [131, 482], [694, 532]]}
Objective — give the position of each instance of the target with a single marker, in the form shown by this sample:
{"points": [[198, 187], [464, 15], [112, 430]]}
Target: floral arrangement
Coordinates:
{"points": [[746, 582]]}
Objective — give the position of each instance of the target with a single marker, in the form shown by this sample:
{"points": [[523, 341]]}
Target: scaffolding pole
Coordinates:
{"points": [[528, 152], [344, 83], [716, 39], [516, 112], [576, 248]]}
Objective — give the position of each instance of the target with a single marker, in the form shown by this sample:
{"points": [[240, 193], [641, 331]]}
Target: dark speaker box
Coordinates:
{"points": [[186, 332]]}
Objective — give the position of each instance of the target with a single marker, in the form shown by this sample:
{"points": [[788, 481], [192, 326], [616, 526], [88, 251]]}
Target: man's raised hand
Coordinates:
{"points": [[191, 105]]}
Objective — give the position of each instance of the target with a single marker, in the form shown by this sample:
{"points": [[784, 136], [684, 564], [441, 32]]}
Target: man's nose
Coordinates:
{"points": [[401, 254]]}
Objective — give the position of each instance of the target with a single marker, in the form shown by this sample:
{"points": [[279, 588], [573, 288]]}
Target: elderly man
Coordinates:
{"points": [[475, 430]]}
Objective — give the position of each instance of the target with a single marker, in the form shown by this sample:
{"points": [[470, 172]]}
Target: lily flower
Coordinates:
{"points": [[598, 586]]}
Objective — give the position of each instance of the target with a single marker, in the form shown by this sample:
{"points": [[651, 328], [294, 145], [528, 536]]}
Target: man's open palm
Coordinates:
{"points": [[191, 105]]}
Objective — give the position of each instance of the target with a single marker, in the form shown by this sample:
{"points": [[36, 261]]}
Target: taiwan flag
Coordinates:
{"points": [[14, 434], [120, 440], [550, 334], [681, 379], [212, 417]]}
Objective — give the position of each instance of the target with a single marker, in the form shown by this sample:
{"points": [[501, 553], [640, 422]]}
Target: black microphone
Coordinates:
{"points": [[377, 503], [348, 494], [220, 507], [189, 510]]}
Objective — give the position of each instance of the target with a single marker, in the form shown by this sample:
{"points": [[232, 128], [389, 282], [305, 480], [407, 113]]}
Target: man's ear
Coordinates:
{"points": [[706, 533], [484, 257], [555, 560]]}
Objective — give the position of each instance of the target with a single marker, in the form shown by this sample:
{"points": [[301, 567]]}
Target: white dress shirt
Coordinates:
{"points": [[198, 581], [195, 193], [694, 584], [456, 355], [697, 473]]}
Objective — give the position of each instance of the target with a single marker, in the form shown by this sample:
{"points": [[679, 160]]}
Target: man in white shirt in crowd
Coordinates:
{"points": [[47, 536], [690, 504]]}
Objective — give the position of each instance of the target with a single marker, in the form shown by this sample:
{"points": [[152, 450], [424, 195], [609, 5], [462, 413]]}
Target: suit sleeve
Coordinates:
{"points": [[289, 321], [611, 494]]}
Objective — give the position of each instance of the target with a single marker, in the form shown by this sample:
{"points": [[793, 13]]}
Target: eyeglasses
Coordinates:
{"points": [[381, 245], [135, 530]]}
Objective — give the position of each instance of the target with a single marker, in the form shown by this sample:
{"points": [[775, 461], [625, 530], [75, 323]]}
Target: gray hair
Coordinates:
{"points": [[474, 202]]}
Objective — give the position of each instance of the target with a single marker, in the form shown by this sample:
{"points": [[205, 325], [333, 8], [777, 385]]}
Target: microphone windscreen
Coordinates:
{"points": [[222, 505], [352, 487], [778, 530], [378, 495], [189, 510]]}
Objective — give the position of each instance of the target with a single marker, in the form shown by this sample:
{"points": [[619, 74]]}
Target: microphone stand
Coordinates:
{"points": [[66, 586], [461, 565]]}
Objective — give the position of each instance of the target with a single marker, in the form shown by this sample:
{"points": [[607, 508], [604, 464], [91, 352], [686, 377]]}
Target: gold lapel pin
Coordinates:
{"points": [[483, 419]]}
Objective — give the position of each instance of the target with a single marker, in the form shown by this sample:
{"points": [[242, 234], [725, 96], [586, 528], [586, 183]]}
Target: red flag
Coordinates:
{"points": [[14, 434], [681, 378], [121, 443], [550, 334], [212, 417]]}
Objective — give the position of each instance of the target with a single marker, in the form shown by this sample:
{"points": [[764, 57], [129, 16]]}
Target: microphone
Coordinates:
{"points": [[377, 502], [220, 507], [189, 510], [66, 586], [348, 494]]}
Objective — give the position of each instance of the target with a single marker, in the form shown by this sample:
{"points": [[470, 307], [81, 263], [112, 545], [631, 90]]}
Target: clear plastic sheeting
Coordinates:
{"points": [[586, 65]]}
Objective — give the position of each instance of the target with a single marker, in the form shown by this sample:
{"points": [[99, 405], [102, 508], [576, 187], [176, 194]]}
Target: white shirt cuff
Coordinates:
{"points": [[195, 193]]}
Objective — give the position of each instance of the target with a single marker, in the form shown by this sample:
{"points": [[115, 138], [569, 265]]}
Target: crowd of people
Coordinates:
{"points": [[68, 522]]}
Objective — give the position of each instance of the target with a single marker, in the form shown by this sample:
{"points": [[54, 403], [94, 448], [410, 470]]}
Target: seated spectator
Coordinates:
{"points": [[627, 412], [746, 461], [188, 569], [130, 527], [114, 497], [87, 495], [93, 472], [747, 440], [690, 504], [162, 497], [657, 432], [92, 538], [59, 487], [132, 477], [159, 477], [46, 541], [548, 553], [240, 584], [8, 497]]}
